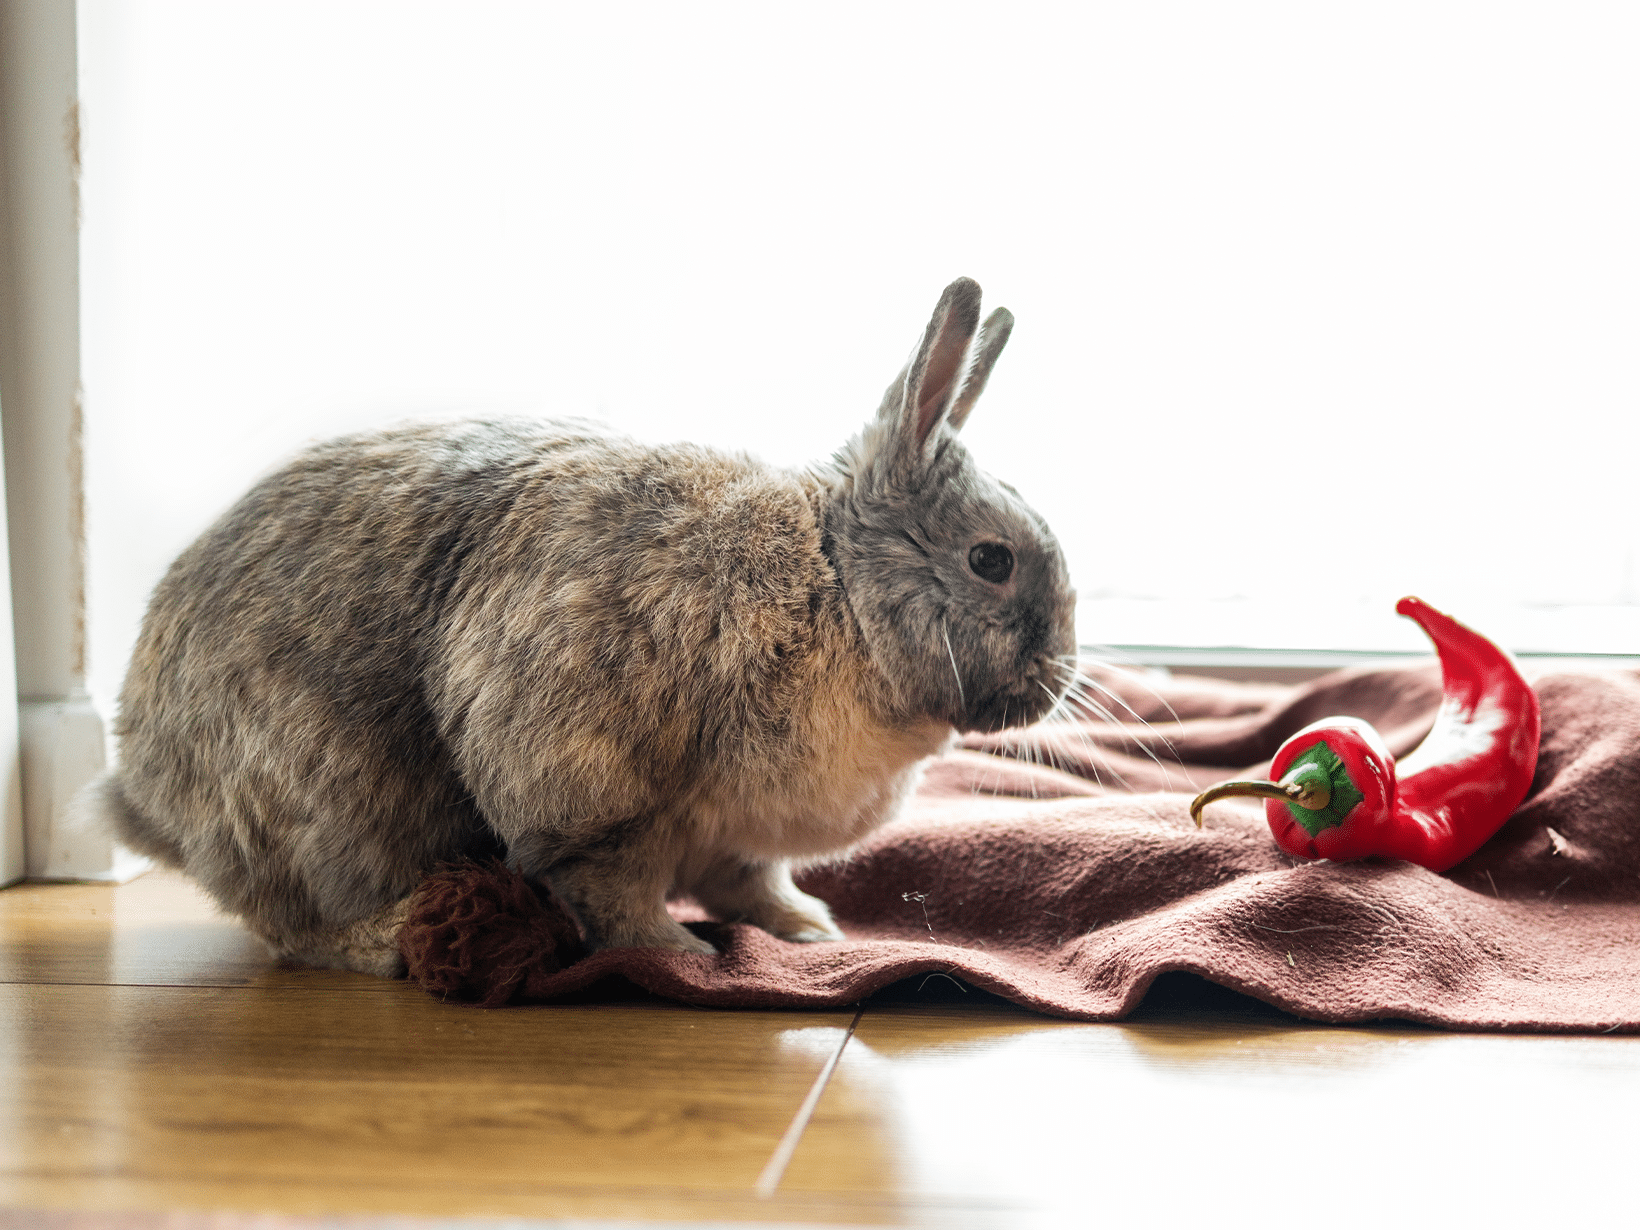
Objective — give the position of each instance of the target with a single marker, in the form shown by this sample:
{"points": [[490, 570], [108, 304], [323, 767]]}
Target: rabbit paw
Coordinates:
{"points": [[659, 932], [813, 933], [369, 946], [764, 895]]}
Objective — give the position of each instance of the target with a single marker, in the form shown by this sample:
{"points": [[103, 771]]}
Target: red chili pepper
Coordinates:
{"points": [[1339, 794]]}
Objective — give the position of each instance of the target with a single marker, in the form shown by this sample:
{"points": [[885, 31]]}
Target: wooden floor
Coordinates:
{"points": [[153, 1059]]}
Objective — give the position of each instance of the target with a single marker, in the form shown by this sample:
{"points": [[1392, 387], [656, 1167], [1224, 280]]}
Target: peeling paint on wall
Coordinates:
{"points": [[71, 135]]}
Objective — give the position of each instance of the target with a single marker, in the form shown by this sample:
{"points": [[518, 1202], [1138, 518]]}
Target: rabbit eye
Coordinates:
{"points": [[991, 561]]}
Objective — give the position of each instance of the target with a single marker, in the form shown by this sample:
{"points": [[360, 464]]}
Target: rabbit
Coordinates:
{"points": [[640, 671]]}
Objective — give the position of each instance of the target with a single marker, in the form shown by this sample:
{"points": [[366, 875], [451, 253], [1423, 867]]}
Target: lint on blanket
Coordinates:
{"points": [[1058, 867]]}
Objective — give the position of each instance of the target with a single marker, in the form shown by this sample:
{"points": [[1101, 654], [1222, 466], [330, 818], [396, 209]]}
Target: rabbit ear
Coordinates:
{"points": [[993, 336], [922, 396]]}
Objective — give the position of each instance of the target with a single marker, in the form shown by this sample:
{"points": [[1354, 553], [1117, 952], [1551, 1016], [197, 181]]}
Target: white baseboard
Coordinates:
{"points": [[64, 747]]}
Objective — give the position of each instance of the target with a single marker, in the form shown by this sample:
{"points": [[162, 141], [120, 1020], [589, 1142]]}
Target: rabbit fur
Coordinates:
{"points": [[640, 671]]}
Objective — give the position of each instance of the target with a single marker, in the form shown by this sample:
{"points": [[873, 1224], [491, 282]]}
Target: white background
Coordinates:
{"points": [[1318, 304]]}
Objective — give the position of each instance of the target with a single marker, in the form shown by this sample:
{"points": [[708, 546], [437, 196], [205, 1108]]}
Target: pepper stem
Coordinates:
{"points": [[1299, 787]]}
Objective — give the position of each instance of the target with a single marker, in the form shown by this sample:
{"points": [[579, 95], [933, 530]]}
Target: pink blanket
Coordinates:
{"points": [[1058, 867]]}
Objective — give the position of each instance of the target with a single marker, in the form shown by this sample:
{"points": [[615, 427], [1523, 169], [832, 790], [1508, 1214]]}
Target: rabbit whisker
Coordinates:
{"points": [[1078, 688], [945, 631], [1105, 655], [1087, 681], [1098, 757]]}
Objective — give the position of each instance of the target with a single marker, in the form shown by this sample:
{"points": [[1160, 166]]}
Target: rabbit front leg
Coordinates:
{"points": [[762, 893]]}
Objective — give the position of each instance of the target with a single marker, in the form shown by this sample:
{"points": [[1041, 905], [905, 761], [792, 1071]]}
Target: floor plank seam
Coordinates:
{"points": [[775, 1169]]}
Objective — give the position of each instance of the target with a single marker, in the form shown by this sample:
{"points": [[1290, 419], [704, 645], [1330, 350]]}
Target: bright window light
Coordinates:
{"points": [[1317, 304]]}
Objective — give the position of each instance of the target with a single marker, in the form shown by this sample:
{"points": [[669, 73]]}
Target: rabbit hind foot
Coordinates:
{"points": [[762, 893], [617, 909], [369, 946]]}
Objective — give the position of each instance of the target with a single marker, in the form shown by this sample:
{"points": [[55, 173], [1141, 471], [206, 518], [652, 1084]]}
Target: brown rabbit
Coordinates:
{"points": [[640, 670]]}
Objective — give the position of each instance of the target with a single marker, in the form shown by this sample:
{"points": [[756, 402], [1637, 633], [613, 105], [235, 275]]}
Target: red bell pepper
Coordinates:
{"points": [[1339, 794]]}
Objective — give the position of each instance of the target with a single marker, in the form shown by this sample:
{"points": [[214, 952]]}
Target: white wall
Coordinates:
{"points": [[1318, 304]]}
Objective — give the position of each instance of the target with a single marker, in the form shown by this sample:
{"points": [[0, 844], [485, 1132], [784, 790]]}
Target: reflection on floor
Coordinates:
{"points": [[157, 1069]]}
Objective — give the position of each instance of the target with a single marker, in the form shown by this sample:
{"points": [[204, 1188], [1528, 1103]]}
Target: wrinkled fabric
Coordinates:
{"points": [[1058, 867]]}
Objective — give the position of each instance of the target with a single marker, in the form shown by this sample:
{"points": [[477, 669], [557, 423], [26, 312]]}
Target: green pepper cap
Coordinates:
{"points": [[1320, 762]]}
